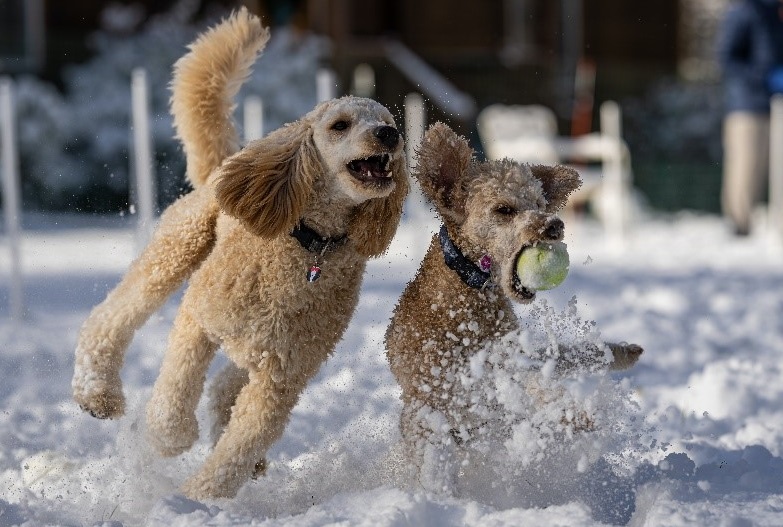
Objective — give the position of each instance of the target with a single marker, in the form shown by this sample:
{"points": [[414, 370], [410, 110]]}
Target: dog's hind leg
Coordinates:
{"points": [[258, 419], [222, 396], [171, 411], [184, 237]]}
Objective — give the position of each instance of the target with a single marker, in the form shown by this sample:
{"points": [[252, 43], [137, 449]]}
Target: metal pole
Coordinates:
{"points": [[253, 112], [11, 199], [776, 166], [144, 172]]}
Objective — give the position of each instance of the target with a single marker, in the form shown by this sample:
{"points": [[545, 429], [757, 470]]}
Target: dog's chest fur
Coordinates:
{"points": [[253, 293]]}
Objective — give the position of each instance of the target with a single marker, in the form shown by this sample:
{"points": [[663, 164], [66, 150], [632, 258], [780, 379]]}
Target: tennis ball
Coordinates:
{"points": [[543, 266]]}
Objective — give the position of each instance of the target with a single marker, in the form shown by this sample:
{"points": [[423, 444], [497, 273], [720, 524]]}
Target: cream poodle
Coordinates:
{"points": [[274, 238]]}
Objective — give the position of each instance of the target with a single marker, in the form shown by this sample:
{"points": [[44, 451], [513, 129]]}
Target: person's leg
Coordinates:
{"points": [[745, 165]]}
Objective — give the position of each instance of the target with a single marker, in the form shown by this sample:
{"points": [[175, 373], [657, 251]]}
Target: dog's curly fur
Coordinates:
{"points": [[248, 291], [493, 208]]}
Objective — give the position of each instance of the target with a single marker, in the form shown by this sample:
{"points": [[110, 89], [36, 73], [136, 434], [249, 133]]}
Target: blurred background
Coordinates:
{"points": [[72, 63]]}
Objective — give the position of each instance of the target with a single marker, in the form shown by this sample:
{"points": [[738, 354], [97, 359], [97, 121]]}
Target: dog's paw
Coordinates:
{"points": [[168, 432], [204, 486], [103, 400], [625, 355]]}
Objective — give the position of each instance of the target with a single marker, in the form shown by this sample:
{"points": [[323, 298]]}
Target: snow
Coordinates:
{"points": [[692, 435]]}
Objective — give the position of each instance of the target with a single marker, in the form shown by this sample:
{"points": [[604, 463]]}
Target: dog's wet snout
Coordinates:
{"points": [[388, 136], [554, 229]]}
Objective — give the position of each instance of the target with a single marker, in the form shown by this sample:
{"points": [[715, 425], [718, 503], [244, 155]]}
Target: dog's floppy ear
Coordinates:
{"points": [[375, 222], [558, 182], [443, 159], [268, 183]]}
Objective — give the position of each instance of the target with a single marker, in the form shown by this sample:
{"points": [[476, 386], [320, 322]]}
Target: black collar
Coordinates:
{"points": [[469, 272], [314, 242]]}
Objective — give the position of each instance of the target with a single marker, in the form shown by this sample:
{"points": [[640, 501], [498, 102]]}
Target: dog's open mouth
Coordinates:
{"points": [[371, 169], [516, 283]]}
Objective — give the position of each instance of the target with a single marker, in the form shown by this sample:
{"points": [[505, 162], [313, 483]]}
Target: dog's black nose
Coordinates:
{"points": [[554, 230], [388, 136]]}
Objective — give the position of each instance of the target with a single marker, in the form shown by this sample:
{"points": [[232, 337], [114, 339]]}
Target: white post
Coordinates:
{"points": [[614, 176], [11, 199], [776, 167], [325, 85], [363, 81], [253, 115], [415, 121], [142, 155]]}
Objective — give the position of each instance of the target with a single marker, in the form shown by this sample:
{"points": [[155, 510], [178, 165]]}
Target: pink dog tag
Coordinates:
{"points": [[485, 264]]}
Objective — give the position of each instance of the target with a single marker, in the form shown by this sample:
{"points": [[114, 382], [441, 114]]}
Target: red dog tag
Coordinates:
{"points": [[313, 274]]}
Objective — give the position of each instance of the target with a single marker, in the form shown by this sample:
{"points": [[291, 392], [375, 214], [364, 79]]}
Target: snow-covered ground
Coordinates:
{"points": [[697, 439]]}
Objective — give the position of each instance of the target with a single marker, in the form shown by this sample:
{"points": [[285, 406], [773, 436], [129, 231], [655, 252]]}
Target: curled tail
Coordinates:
{"points": [[206, 80]]}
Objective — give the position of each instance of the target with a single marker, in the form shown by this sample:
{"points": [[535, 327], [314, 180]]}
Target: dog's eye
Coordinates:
{"points": [[506, 210], [340, 126]]}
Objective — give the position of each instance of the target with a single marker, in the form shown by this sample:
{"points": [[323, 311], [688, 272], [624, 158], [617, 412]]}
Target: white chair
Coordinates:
{"points": [[529, 134]]}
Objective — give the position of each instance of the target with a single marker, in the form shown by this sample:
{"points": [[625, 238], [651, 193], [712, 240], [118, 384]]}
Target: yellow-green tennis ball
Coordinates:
{"points": [[543, 266]]}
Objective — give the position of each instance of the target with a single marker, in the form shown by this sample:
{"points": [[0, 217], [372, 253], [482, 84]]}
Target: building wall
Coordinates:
{"points": [[477, 44], [628, 44]]}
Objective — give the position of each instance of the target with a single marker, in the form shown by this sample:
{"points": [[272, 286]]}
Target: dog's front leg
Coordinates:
{"points": [[625, 355], [171, 412], [183, 238], [258, 419], [222, 396]]}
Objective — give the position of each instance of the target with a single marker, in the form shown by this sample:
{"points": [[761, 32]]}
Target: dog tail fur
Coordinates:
{"points": [[205, 82]]}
